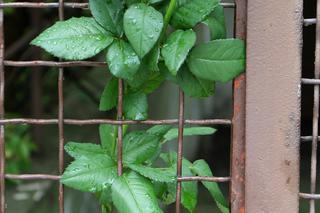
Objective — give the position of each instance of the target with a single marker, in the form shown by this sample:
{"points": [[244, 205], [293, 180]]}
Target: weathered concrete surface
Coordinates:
{"points": [[273, 105]]}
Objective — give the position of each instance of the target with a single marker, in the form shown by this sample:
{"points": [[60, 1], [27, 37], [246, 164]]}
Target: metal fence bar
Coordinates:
{"points": [[309, 81], [180, 150], [273, 105], [199, 178], [315, 118], [57, 177], [42, 5], [309, 21], [237, 188], [224, 122], [32, 177], [308, 138], [2, 142], [309, 196], [120, 128], [54, 64], [60, 119], [66, 4]]}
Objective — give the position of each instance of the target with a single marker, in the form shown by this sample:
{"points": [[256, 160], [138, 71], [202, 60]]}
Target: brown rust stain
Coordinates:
{"points": [[236, 108], [241, 210], [238, 82]]}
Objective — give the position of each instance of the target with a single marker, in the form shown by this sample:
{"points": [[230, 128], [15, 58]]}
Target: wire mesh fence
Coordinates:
{"points": [[312, 196], [237, 122]]}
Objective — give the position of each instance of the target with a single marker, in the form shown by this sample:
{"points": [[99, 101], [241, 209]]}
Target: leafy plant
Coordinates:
{"points": [[144, 51], [142, 184], [146, 43]]}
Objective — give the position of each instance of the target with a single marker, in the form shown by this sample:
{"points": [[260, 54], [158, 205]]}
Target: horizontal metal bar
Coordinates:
{"points": [[43, 5], [310, 81], [28, 121], [57, 177], [53, 63], [114, 122], [309, 196], [32, 177], [66, 5], [308, 138], [309, 21], [198, 178]]}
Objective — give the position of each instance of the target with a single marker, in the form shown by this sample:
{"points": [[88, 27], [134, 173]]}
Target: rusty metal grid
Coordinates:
{"points": [[237, 122], [315, 82]]}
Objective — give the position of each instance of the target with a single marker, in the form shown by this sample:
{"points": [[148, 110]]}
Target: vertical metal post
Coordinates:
{"points": [[315, 119], [274, 37], [61, 120], [120, 127], [237, 189], [180, 150], [2, 142]]}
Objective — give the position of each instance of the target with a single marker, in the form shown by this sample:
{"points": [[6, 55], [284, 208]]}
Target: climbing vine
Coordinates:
{"points": [[147, 42]]}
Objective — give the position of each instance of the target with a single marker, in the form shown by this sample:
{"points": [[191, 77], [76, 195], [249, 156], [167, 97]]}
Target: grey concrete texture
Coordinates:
{"points": [[274, 37]]}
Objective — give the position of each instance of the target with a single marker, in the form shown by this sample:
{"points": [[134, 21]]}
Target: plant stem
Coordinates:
{"points": [[167, 17], [106, 209], [103, 209]]}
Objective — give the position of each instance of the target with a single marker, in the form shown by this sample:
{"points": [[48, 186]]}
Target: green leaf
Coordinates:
{"points": [[108, 137], [193, 12], [216, 23], [192, 131], [159, 130], [152, 59], [109, 14], [160, 189], [77, 150], [74, 39], [132, 193], [154, 82], [192, 85], [189, 190], [176, 49], [139, 147], [140, 78], [122, 60], [201, 168], [142, 26], [90, 174], [146, 80], [104, 196], [135, 106], [218, 60], [154, 1], [109, 95], [182, 2], [167, 175], [131, 2]]}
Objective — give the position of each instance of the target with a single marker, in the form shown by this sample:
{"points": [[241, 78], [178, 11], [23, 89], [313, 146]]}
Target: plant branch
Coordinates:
{"points": [[167, 18]]}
